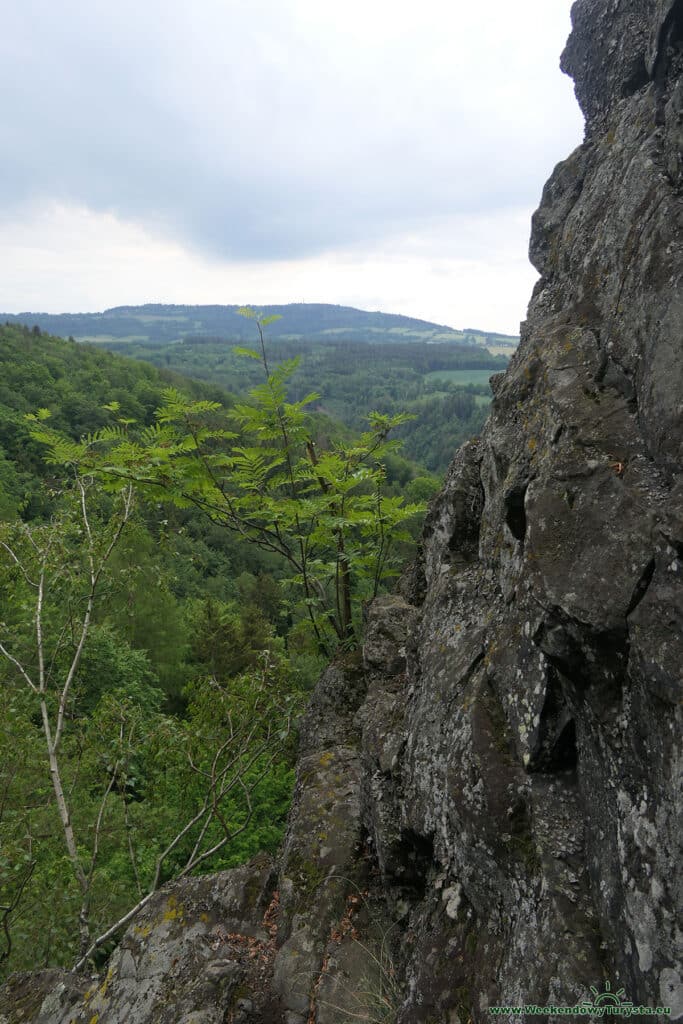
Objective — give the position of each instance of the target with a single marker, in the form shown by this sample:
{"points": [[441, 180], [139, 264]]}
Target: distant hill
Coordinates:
{"points": [[156, 324]]}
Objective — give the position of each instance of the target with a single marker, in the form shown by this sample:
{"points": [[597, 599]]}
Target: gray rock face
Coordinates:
{"points": [[195, 948], [488, 808]]}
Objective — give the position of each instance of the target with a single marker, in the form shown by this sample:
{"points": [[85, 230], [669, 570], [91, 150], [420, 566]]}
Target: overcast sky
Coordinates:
{"points": [[375, 153]]}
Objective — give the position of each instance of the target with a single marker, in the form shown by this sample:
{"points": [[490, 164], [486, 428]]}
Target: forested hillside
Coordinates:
{"points": [[196, 633], [182, 605], [355, 360], [444, 386], [441, 381], [160, 324]]}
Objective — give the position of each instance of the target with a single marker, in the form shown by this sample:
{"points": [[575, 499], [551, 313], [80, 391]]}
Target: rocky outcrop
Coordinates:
{"points": [[195, 948], [488, 808]]}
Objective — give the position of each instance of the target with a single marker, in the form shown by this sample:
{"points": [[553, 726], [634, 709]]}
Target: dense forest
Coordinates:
{"points": [[357, 362], [444, 386], [140, 628]]}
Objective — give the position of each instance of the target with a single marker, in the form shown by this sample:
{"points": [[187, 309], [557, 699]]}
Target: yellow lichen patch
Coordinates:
{"points": [[326, 759], [531, 444], [175, 912], [105, 984], [204, 918], [142, 930], [94, 1019]]}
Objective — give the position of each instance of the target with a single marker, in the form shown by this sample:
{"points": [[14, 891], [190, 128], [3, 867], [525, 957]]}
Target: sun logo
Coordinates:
{"points": [[608, 997]]}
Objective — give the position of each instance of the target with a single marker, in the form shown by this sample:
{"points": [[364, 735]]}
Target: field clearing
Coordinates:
{"points": [[108, 339], [500, 350], [461, 377], [152, 318], [430, 335]]}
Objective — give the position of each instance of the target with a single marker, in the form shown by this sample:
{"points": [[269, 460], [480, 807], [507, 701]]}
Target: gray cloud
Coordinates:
{"points": [[266, 129]]}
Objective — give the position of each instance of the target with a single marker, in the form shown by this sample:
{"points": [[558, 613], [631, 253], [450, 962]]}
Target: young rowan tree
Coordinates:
{"points": [[257, 471]]}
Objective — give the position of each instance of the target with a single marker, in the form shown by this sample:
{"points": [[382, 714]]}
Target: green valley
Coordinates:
{"points": [[357, 362]]}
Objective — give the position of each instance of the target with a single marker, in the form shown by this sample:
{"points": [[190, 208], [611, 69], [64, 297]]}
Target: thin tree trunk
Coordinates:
{"points": [[345, 588], [67, 828]]}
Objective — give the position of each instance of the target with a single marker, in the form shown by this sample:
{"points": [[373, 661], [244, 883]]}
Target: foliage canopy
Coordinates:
{"points": [[258, 471]]}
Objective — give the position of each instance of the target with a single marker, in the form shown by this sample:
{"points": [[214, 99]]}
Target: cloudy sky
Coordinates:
{"points": [[375, 153]]}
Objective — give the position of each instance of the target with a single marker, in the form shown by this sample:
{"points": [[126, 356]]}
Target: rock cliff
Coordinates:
{"points": [[488, 807]]}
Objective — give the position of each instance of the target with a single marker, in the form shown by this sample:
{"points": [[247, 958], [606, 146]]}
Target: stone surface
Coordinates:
{"points": [[488, 807], [195, 949]]}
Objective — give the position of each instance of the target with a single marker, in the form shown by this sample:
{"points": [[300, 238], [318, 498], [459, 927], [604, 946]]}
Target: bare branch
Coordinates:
{"points": [[59, 643], [95, 574], [98, 824], [39, 628], [111, 931], [18, 563], [131, 851], [19, 667]]}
